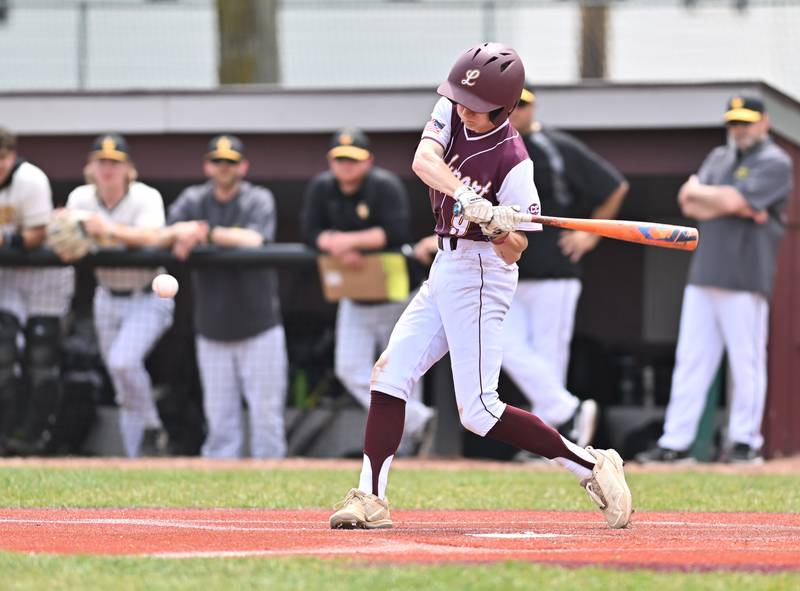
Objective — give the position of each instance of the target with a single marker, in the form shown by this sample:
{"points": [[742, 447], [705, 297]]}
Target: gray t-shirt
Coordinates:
{"points": [[734, 252], [232, 304]]}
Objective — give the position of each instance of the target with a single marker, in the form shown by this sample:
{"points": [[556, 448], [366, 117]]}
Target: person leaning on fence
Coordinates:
{"points": [[356, 206], [129, 318], [241, 345], [32, 302], [738, 197], [572, 181]]}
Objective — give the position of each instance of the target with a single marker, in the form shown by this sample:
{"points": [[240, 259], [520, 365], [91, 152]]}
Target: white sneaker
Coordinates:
{"points": [[607, 487], [360, 510]]}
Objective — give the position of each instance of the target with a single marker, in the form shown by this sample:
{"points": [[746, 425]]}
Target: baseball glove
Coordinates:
{"points": [[66, 236]]}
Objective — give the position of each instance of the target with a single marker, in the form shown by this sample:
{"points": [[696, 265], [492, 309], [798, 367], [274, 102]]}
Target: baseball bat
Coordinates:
{"points": [[663, 235]]}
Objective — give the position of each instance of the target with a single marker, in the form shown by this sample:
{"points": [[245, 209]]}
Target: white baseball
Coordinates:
{"points": [[165, 286]]}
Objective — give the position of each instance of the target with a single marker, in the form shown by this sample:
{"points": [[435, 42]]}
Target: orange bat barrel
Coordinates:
{"points": [[663, 235]]}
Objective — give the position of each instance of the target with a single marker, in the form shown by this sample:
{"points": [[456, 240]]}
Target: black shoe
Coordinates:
{"points": [[664, 456], [741, 453]]}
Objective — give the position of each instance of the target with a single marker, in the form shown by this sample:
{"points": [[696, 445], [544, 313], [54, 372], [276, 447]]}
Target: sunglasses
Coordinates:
{"points": [[224, 161]]}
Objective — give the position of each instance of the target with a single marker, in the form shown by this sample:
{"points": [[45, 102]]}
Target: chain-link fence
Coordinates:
{"points": [[100, 44]]}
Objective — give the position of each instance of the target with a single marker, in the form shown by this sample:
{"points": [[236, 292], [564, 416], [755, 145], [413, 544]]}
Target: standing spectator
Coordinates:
{"points": [[128, 317], [572, 181], [241, 346], [356, 206], [32, 301], [738, 198]]}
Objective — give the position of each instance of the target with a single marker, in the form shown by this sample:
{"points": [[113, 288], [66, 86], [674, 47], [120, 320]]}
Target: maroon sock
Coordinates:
{"points": [[387, 415], [526, 431]]}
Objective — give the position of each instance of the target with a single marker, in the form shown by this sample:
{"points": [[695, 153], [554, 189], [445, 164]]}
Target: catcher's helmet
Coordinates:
{"points": [[487, 77]]}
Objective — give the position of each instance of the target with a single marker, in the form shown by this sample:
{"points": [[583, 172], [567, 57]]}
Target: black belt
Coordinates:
{"points": [[453, 242], [126, 293]]}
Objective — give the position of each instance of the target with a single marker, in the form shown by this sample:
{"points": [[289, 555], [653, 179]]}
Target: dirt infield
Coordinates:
{"points": [[663, 541]]}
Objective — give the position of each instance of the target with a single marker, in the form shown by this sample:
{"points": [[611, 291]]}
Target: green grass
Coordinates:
{"points": [[69, 573], [409, 488], [412, 488]]}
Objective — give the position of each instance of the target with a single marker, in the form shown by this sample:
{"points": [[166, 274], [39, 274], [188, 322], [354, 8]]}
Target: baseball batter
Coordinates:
{"points": [[470, 155], [32, 301], [128, 317]]}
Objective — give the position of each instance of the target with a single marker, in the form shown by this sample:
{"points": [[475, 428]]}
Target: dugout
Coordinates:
{"points": [[656, 134]]}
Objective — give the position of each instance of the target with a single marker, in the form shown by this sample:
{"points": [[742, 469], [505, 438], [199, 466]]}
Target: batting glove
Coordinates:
{"points": [[472, 206], [504, 220]]}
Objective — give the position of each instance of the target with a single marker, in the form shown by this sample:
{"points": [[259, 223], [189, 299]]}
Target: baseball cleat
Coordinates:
{"points": [[360, 510], [662, 455], [608, 489]]}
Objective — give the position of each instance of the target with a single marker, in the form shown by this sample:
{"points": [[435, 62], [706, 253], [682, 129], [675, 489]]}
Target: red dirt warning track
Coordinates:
{"points": [[671, 541]]}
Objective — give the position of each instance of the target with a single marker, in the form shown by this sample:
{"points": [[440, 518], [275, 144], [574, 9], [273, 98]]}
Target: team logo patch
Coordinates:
{"points": [[362, 211], [434, 126], [7, 215], [534, 209], [470, 76]]}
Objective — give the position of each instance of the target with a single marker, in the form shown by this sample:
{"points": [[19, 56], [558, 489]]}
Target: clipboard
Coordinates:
{"points": [[384, 277]]}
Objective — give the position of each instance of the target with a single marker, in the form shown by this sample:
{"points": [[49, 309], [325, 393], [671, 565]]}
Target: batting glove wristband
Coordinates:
{"points": [[472, 206]]}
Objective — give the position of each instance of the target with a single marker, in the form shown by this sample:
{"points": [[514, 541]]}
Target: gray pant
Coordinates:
{"points": [[255, 368]]}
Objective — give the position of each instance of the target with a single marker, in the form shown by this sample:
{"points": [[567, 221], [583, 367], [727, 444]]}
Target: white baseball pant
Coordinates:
{"points": [[460, 308], [538, 331], [45, 291], [128, 327], [255, 368], [715, 320]]}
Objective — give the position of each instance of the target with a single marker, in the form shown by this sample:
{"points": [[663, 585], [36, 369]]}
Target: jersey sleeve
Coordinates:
{"points": [[438, 127], [36, 198], [766, 184], [262, 217], [704, 173], [314, 213], [518, 189], [394, 216], [151, 213], [592, 178], [181, 209]]}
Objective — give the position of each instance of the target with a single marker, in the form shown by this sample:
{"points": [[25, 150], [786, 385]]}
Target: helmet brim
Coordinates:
{"points": [[458, 94]]}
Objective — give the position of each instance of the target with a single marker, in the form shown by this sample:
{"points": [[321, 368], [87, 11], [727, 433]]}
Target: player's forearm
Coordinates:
{"points": [[134, 237], [610, 207], [713, 200], [235, 237], [430, 167], [33, 237], [369, 239], [512, 248]]}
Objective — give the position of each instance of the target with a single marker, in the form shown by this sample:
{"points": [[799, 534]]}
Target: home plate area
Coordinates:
{"points": [[663, 541]]}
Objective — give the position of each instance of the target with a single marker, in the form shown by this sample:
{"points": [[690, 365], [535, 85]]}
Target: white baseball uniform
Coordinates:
{"points": [[461, 307], [26, 202], [129, 318]]}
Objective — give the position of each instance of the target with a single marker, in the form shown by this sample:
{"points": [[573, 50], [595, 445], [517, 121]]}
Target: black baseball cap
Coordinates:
{"points": [[743, 108], [110, 146], [527, 97], [349, 143], [225, 147]]}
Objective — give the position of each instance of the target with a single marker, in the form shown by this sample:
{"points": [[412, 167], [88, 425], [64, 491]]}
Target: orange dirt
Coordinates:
{"points": [[664, 541]]}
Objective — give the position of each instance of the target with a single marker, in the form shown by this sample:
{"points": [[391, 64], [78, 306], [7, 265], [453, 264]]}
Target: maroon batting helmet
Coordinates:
{"points": [[487, 77]]}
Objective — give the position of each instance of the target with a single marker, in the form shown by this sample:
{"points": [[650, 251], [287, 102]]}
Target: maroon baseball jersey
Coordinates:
{"points": [[495, 164]]}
